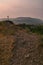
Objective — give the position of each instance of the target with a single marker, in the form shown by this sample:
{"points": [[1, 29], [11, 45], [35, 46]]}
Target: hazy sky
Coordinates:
{"points": [[17, 8]]}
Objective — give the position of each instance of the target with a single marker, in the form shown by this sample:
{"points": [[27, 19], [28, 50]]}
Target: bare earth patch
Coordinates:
{"points": [[21, 48]]}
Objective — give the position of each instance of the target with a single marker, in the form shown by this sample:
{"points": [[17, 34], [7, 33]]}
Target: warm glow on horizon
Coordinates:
{"points": [[18, 8]]}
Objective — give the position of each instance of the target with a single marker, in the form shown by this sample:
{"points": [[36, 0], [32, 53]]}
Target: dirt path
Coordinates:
{"points": [[20, 49]]}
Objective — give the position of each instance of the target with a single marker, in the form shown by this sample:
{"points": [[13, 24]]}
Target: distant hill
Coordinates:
{"points": [[27, 20]]}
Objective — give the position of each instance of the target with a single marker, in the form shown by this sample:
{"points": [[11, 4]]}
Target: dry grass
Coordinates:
{"points": [[17, 47]]}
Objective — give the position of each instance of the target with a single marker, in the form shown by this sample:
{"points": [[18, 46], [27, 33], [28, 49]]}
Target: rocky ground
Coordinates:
{"points": [[17, 47]]}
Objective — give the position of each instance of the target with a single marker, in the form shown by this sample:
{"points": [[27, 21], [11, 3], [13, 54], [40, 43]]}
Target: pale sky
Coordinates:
{"points": [[21, 8]]}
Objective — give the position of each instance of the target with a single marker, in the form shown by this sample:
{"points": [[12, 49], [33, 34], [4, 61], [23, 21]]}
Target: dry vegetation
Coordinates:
{"points": [[17, 47]]}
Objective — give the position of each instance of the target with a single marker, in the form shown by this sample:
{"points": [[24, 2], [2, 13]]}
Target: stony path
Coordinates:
{"points": [[20, 49]]}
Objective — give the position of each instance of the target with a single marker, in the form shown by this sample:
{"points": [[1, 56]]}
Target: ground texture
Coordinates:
{"points": [[17, 47]]}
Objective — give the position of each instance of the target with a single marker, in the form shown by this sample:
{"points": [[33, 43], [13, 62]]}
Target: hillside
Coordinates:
{"points": [[19, 45], [26, 20]]}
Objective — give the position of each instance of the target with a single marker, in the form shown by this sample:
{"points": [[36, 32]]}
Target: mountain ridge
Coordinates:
{"points": [[26, 20]]}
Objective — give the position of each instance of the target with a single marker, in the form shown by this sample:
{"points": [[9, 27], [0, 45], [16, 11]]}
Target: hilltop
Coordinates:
{"points": [[21, 44], [26, 20]]}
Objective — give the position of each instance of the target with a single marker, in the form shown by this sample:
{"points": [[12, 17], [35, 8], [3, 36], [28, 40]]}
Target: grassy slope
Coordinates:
{"points": [[20, 46]]}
